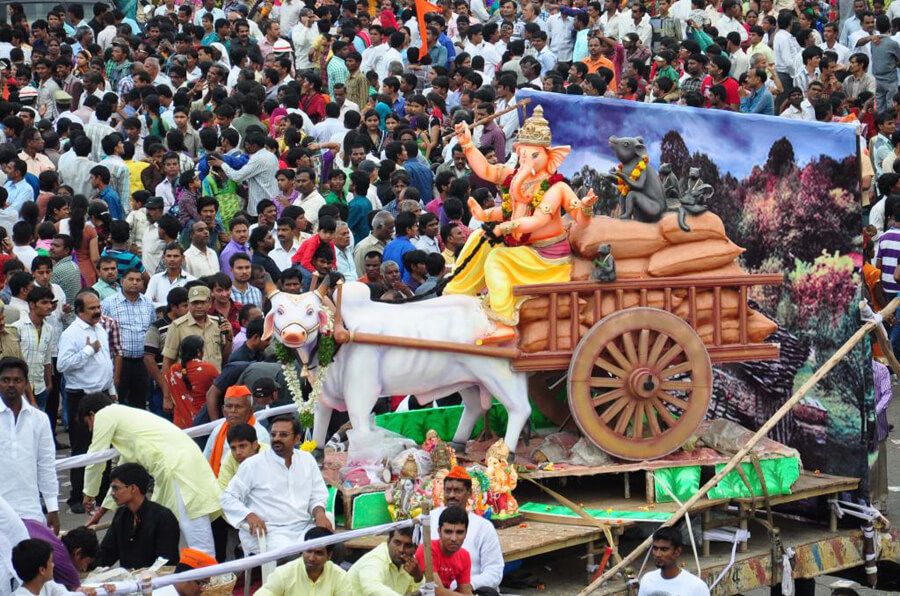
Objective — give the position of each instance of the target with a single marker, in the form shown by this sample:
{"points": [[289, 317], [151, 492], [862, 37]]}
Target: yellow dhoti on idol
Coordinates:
{"points": [[500, 268]]}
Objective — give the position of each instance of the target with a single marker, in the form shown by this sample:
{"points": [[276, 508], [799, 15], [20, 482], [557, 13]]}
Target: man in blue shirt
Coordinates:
{"points": [[420, 175], [407, 228], [756, 99], [359, 206], [18, 189], [100, 179]]}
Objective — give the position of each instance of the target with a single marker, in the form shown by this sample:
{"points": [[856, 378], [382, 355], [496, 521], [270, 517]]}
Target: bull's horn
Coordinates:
{"points": [[270, 288]]}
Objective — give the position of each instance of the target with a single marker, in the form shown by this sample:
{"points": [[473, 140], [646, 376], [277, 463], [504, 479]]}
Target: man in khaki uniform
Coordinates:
{"points": [[215, 331]]}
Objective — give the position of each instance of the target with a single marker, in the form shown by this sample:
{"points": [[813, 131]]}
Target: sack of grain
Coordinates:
{"points": [[759, 327], [538, 309], [534, 335], [706, 226], [631, 298], [687, 258], [628, 238], [581, 269], [729, 301]]}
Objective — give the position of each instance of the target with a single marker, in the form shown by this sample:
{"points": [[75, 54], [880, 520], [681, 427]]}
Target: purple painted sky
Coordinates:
{"points": [[735, 142]]}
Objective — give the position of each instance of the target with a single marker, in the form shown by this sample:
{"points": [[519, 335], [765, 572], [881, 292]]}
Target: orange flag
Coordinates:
{"points": [[423, 7]]}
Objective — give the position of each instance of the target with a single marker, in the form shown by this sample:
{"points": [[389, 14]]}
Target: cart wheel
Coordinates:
{"points": [[639, 383]]}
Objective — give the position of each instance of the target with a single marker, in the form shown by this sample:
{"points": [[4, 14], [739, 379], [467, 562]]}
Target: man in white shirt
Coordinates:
{"points": [[258, 173], [286, 244], [200, 259], [506, 98], [85, 361], [279, 492], [331, 125], [22, 234], [831, 43], [559, 34], [477, 45], [731, 20], [786, 48], [151, 244], [173, 277], [303, 34], [481, 540], [28, 458], [610, 19], [343, 248], [310, 198], [371, 56], [669, 578], [854, 22], [391, 54], [637, 21]]}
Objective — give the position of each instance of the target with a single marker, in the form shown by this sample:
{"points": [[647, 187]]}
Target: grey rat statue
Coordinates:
{"points": [[604, 265], [645, 199]]}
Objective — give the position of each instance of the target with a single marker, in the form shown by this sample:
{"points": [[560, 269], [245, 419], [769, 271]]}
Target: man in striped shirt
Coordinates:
{"points": [[886, 259], [135, 313]]}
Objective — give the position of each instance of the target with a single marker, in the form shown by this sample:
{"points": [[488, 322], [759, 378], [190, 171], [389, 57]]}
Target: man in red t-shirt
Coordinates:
{"points": [[452, 563], [719, 66]]}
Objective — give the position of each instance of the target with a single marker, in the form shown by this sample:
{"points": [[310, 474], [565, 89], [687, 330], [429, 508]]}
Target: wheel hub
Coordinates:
{"points": [[643, 382]]}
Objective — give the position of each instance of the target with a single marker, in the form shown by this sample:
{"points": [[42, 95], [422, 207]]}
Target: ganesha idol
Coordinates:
{"points": [[535, 247]]}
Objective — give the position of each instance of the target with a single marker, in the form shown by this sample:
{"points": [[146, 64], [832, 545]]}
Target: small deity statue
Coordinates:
{"points": [[402, 498], [480, 488], [604, 265], [431, 439], [503, 479], [442, 455], [437, 488]]}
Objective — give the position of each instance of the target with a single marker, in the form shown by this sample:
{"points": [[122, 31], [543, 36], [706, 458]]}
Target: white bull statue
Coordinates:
{"points": [[361, 373]]}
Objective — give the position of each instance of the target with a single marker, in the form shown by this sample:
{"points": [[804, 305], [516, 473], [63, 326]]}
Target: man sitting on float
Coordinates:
{"points": [[535, 246]]}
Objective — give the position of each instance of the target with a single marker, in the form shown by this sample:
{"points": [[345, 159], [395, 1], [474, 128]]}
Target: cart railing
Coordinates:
{"points": [[553, 358]]}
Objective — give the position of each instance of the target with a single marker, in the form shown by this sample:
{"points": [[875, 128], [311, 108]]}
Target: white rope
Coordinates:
{"points": [[87, 459], [729, 534], [239, 565], [687, 518], [863, 512]]}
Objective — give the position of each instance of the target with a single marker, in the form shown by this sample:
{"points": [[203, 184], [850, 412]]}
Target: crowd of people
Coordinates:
{"points": [[161, 170]]}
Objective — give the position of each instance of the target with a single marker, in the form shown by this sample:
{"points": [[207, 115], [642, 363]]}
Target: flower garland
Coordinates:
{"points": [[506, 198], [623, 187], [288, 359]]}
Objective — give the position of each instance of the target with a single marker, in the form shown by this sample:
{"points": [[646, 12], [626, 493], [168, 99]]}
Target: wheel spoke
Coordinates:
{"points": [[676, 385], [678, 369], [618, 355], [606, 382], [675, 401], [643, 345], [630, 351], [670, 355], [607, 397], [614, 409], [624, 418], [639, 421], [610, 367], [652, 420], [663, 412]]}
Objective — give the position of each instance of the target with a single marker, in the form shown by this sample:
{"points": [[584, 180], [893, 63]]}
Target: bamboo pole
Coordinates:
{"points": [[494, 116], [762, 432]]}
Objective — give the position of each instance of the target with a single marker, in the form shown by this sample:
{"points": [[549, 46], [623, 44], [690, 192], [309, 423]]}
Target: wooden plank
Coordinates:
{"points": [[742, 315], [657, 283], [551, 334], [574, 318], [717, 316]]}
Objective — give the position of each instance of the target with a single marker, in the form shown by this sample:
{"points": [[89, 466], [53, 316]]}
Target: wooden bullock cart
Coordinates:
{"points": [[640, 377]]}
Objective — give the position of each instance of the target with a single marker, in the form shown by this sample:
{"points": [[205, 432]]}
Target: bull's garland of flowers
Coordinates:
{"points": [[624, 189], [506, 203], [288, 359]]}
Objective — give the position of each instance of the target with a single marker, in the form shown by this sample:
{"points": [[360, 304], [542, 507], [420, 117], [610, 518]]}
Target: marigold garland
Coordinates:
{"points": [[623, 187]]}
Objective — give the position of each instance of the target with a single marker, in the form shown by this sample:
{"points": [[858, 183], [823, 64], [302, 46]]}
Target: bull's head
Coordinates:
{"points": [[295, 320]]}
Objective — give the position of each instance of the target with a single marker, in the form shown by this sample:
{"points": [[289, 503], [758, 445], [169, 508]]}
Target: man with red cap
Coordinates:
{"points": [[237, 409], [481, 541]]}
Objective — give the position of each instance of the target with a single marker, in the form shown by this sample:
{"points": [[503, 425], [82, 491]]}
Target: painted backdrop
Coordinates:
{"points": [[788, 192]]}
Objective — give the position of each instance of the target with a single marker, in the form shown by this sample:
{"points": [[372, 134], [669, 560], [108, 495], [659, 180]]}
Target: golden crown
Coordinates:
{"points": [[536, 130]]}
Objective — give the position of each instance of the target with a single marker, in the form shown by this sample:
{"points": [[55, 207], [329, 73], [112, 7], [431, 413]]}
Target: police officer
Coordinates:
{"points": [[215, 331]]}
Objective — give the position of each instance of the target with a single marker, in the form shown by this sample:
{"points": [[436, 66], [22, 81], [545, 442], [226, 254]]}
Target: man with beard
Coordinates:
{"points": [[314, 573], [256, 496], [482, 542], [669, 578]]}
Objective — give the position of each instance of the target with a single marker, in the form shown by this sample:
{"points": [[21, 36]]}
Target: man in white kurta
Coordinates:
{"points": [[481, 542], [278, 492], [183, 479]]}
